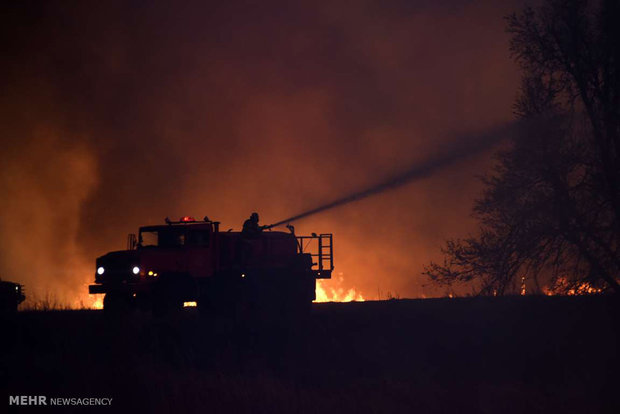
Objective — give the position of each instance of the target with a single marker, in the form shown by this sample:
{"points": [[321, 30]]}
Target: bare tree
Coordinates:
{"points": [[550, 211]]}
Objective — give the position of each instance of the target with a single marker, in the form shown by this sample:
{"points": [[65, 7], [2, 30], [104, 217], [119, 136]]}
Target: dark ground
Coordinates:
{"points": [[488, 355]]}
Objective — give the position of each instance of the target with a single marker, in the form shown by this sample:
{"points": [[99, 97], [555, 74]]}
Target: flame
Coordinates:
{"points": [[72, 301], [563, 286], [97, 302], [83, 301], [326, 293]]}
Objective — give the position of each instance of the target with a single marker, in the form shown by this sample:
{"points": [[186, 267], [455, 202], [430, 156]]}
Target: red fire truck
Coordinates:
{"points": [[185, 261]]}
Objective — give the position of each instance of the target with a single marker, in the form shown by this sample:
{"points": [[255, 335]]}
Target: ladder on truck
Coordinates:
{"points": [[322, 252]]}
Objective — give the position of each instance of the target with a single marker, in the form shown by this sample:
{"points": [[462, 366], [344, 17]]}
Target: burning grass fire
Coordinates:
{"points": [[327, 292], [563, 287]]}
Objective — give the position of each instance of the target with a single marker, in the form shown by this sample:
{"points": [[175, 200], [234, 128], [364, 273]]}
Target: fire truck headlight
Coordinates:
{"points": [[100, 270], [135, 270]]}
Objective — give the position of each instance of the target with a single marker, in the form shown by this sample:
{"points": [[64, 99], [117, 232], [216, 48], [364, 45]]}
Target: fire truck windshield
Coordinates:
{"points": [[173, 237], [148, 239]]}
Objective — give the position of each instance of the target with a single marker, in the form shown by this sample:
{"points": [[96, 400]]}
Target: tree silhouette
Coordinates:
{"points": [[550, 211]]}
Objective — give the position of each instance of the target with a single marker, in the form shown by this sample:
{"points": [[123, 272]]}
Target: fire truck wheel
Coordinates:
{"points": [[168, 294], [163, 308], [159, 308], [164, 304], [144, 302], [115, 303], [205, 307]]}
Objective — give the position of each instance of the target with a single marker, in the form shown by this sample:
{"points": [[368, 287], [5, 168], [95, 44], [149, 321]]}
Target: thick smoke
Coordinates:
{"points": [[464, 148], [44, 186], [118, 114]]}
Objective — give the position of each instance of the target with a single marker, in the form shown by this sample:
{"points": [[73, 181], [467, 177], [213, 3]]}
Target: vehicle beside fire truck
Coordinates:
{"points": [[186, 261], [11, 295]]}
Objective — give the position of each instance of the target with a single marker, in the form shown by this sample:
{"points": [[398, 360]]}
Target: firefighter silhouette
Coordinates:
{"points": [[251, 230], [251, 227]]}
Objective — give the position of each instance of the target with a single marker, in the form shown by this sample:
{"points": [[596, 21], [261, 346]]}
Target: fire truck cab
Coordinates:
{"points": [[185, 261]]}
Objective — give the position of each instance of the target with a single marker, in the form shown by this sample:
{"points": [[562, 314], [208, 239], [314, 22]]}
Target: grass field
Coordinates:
{"points": [[487, 355]]}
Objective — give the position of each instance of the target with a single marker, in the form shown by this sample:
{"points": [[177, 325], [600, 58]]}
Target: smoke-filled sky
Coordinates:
{"points": [[118, 114]]}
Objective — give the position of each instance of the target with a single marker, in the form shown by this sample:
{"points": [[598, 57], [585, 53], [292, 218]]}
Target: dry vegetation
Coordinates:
{"points": [[489, 355]]}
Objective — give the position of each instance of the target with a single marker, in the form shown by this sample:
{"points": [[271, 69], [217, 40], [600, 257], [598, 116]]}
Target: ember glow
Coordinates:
{"points": [[563, 287]]}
